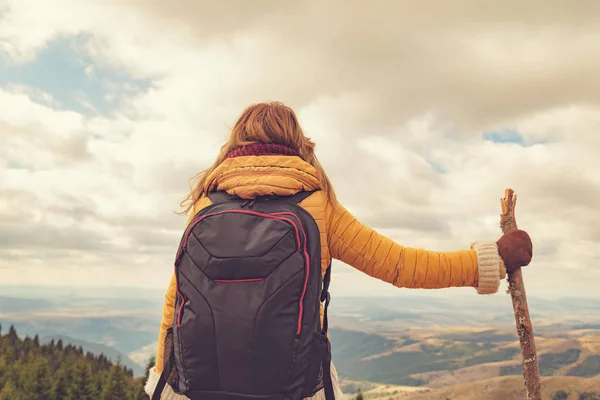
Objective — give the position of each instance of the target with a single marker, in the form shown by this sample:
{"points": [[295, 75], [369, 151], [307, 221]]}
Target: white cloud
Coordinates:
{"points": [[406, 88]]}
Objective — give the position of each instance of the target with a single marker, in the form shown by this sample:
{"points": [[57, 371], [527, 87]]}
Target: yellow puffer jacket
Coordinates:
{"points": [[343, 237]]}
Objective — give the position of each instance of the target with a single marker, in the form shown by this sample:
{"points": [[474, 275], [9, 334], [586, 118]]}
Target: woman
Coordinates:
{"points": [[268, 154]]}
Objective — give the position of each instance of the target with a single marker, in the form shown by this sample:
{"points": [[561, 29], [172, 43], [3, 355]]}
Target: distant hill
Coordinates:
{"points": [[407, 359], [125, 324], [22, 305], [512, 388], [97, 349], [499, 388], [451, 356], [125, 333]]}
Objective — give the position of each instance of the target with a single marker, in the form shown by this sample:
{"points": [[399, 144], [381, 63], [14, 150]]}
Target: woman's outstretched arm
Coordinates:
{"points": [[363, 248]]}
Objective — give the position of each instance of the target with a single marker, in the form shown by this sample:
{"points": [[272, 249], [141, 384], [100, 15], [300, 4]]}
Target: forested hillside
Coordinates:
{"points": [[33, 371]]}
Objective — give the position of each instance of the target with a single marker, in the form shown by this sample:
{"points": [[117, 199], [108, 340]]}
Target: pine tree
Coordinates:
{"points": [[12, 332], [82, 387], [140, 395], [114, 388], [359, 395], [99, 383], [12, 337], [39, 382], [10, 392], [30, 370], [10, 353], [60, 387]]}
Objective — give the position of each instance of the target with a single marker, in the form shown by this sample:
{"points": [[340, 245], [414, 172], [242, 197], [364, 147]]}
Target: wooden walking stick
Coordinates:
{"points": [[516, 288]]}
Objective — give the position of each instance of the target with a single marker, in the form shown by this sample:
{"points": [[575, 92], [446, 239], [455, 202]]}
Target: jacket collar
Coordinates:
{"points": [[249, 176]]}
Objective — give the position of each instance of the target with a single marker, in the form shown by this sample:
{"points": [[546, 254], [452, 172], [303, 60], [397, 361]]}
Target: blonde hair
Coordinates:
{"points": [[268, 122]]}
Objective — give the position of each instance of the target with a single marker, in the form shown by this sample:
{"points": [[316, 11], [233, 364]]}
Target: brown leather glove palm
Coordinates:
{"points": [[515, 249]]}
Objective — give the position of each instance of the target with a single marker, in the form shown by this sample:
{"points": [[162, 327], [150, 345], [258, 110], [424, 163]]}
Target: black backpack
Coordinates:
{"points": [[247, 311]]}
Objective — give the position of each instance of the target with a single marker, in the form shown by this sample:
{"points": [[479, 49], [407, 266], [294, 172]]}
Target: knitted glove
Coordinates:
{"points": [[515, 249]]}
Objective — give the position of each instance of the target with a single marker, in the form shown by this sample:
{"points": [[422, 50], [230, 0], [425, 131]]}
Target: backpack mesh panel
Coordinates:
{"points": [[319, 385], [320, 354], [169, 362]]}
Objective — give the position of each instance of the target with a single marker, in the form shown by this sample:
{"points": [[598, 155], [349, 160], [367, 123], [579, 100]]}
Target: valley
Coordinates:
{"points": [[409, 347]]}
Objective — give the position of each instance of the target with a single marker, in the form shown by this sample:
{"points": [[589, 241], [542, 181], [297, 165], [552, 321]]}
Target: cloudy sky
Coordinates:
{"points": [[423, 113]]}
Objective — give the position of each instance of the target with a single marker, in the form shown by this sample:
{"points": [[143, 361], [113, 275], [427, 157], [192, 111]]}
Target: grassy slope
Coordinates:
{"points": [[451, 357], [508, 388]]}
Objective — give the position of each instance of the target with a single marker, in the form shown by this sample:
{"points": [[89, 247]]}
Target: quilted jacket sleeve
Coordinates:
{"points": [[363, 248], [166, 321], [168, 312]]}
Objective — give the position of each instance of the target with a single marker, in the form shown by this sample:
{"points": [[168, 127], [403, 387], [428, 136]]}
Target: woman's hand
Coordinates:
{"points": [[515, 249]]}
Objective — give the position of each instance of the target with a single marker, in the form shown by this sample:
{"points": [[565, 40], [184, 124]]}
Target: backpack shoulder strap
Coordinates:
{"points": [[162, 381], [298, 197]]}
